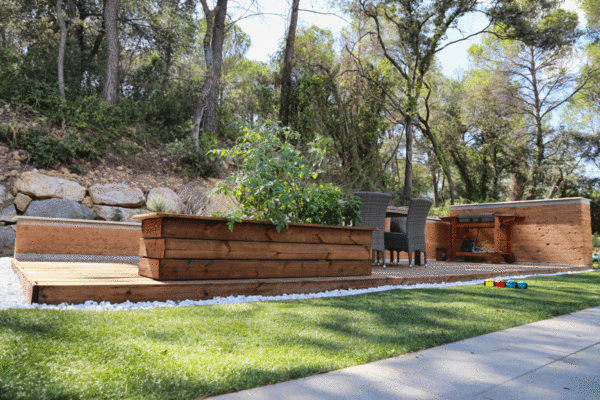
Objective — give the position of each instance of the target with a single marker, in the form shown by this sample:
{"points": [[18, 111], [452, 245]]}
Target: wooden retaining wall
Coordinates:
{"points": [[556, 231]]}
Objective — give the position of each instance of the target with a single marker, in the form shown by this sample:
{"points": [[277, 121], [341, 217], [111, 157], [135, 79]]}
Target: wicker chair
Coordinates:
{"points": [[413, 238], [373, 210]]}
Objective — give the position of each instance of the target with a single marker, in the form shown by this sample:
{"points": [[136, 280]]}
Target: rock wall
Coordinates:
{"points": [[40, 195]]}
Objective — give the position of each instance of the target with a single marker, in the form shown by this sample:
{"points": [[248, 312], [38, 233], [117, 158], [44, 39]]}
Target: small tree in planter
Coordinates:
{"points": [[277, 183]]}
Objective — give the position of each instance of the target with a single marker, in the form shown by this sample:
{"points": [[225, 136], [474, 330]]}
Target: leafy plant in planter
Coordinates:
{"points": [[276, 181]]}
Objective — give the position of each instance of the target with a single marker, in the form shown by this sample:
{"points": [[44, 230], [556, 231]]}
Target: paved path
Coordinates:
{"points": [[557, 358]]}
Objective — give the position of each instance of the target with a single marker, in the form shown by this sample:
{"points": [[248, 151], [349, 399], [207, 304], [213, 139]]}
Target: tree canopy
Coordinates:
{"points": [[519, 123]]}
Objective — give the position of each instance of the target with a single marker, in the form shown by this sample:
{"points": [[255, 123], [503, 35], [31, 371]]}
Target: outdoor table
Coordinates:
{"points": [[393, 212], [501, 222]]}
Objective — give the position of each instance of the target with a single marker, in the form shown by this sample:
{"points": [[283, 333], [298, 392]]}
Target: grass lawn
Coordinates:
{"points": [[189, 352]]}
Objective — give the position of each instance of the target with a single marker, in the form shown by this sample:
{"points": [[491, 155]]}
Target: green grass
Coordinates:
{"points": [[189, 352]]}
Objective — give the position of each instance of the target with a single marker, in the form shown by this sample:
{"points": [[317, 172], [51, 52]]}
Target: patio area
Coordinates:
{"points": [[75, 283]]}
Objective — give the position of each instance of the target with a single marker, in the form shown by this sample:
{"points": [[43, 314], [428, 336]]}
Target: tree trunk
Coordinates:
{"points": [[408, 167], [205, 115], [61, 48], [440, 155], [555, 188], [111, 70], [286, 73], [72, 17]]}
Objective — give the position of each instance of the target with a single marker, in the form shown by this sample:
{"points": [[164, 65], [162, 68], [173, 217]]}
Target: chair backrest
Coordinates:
{"points": [[415, 224], [372, 212]]}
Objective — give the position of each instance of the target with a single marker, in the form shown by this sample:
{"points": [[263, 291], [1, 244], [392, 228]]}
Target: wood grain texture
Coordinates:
{"points": [[240, 250], [168, 269], [207, 228]]}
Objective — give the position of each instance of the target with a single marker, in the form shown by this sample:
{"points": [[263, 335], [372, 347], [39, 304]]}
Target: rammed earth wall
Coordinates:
{"points": [[557, 231], [54, 239]]}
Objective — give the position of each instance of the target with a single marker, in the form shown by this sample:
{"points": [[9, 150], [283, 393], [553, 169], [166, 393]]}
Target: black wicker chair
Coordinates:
{"points": [[374, 206], [413, 237]]}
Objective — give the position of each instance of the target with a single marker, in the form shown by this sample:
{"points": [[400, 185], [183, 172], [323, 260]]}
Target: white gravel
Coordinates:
{"points": [[11, 294]]}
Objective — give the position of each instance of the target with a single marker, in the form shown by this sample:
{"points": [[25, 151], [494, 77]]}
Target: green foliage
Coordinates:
{"points": [[537, 23], [440, 210], [196, 162], [275, 181], [118, 216], [328, 205], [45, 149], [159, 204]]}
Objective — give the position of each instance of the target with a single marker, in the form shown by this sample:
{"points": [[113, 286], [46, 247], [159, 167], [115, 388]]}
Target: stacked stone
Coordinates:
{"points": [[36, 194]]}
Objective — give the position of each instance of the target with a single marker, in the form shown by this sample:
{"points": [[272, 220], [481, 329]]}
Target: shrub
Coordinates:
{"points": [[196, 162], [44, 149], [275, 181], [159, 204]]}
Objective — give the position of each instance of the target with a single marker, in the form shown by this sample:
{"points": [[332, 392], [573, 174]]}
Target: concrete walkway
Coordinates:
{"points": [[557, 358]]}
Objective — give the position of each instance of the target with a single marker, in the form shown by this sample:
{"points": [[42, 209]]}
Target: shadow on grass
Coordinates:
{"points": [[185, 353]]}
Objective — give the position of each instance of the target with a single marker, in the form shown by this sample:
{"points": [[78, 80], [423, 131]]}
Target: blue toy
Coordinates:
{"points": [[511, 284], [522, 285]]}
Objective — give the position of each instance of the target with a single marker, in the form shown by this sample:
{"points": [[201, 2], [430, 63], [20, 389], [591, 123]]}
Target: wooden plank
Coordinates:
{"points": [[217, 229], [29, 286], [152, 228], [154, 248], [198, 290], [217, 249], [168, 269]]}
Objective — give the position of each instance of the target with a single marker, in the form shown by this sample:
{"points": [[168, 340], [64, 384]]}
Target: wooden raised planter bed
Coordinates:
{"points": [[183, 247]]}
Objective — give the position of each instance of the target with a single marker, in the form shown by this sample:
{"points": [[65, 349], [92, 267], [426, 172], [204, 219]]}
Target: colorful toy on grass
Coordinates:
{"points": [[522, 285], [509, 284]]}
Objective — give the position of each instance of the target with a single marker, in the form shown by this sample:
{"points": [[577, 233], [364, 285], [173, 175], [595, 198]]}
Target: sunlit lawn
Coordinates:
{"points": [[185, 353]]}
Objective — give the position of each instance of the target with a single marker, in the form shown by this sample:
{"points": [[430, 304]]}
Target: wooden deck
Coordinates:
{"points": [[75, 283]]}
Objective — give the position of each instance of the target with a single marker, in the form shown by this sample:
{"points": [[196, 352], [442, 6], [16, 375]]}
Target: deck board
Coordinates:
{"points": [[75, 283]]}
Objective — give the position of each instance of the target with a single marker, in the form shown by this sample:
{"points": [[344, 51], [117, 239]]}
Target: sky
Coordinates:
{"points": [[267, 32]]}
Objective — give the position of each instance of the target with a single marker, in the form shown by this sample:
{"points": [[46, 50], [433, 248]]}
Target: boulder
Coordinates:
{"points": [[59, 208], [109, 213], [6, 198], [22, 202], [171, 198], [117, 194], [42, 186], [7, 213], [7, 241]]}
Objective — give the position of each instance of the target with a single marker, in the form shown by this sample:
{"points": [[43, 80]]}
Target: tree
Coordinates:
{"points": [[541, 63], [410, 33], [111, 71], [61, 48], [329, 99], [205, 115], [286, 72]]}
